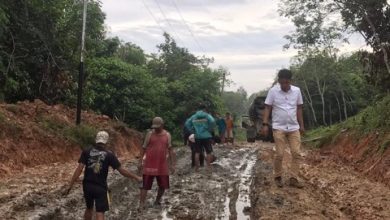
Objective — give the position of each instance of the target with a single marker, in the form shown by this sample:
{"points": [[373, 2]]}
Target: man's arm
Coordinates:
{"points": [[265, 128], [172, 154], [75, 177], [128, 174], [189, 125], [142, 154], [172, 159], [300, 118]]}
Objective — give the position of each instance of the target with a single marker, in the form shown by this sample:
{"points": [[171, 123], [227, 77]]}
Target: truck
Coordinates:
{"points": [[253, 122]]}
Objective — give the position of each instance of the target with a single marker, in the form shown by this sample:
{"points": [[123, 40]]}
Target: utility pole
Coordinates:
{"points": [[81, 70]]}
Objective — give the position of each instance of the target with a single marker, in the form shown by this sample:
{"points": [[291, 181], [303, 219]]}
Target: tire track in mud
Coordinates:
{"points": [[240, 187], [222, 194]]}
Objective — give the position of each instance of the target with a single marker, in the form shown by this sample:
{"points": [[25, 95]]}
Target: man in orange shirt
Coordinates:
{"points": [[229, 128]]}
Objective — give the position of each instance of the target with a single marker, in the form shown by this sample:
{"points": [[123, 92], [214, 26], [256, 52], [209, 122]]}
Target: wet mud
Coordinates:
{"points": [[240, 186]]}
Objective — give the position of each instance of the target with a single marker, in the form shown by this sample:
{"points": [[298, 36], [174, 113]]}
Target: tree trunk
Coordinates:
{"points": [[321, 91], [345, 105], [310, 101], [378, 41], [339, 107]]}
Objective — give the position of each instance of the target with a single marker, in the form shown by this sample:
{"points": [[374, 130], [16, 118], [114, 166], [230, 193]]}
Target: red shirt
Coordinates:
{"points": [[156, 154]]}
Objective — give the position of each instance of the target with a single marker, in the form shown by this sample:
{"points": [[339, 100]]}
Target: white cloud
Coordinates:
{"points": [[246, 36]]}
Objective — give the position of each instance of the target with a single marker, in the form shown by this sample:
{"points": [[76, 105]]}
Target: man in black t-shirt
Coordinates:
{"points": [[96, 161]]}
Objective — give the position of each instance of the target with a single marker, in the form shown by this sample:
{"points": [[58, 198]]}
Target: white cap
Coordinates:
{"points": [[102, 137]]}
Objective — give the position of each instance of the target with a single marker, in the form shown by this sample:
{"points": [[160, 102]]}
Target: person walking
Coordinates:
{"points": [[229, 136], [286, 103], [221, 125], [156, 151], [96, 161], [202, 125], [191, 143]]}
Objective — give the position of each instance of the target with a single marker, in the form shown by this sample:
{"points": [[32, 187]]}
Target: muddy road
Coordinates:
{"points": [[240, 187]]}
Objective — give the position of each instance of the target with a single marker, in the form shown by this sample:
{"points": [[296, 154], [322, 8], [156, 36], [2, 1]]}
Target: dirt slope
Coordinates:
{"points": [[368, 154], [33, 134]]}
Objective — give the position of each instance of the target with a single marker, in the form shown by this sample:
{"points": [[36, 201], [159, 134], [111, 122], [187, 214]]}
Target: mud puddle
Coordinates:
{"points": [[220, 194], [239, 187]]}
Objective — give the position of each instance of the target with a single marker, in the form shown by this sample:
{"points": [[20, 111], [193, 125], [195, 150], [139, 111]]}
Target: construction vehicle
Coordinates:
{"points": [[253, 122]]}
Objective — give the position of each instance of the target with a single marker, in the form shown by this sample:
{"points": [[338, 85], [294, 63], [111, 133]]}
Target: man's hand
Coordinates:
{"points": [[139, 179], [302, 130], [173, 169]]}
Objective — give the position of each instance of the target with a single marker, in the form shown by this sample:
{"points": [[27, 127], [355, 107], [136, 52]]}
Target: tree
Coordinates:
{"points": [[315, 27], [40, 47], [234, 102]]}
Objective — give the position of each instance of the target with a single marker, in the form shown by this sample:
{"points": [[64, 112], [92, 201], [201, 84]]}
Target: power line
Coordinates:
{"points": [[187, 26], [151, 14], [167, 20]]}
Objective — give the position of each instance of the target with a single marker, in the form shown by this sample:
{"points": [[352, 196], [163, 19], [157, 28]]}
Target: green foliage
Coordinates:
{"points": [[39, 57], [384, 146], [83, 135], [124, 91], [234, 102], [333, 87], [321, 136], [40, 47], [373, 119], [240, 134], [317, 29], [50, 124]]}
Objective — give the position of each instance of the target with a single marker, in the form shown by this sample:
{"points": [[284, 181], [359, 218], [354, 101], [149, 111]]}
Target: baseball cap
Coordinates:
{"points": [[102, 137], [157, 122]]}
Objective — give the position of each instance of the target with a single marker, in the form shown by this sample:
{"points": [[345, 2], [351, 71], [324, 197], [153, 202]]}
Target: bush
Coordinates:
{"points": [[83, 135]]}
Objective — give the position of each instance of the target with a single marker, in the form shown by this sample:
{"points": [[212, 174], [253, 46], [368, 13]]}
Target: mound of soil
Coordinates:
{"points": [[33, 134], [369, 154]]}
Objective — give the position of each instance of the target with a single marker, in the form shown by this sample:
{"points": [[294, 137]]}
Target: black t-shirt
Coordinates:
{"points": [[96, 161]]}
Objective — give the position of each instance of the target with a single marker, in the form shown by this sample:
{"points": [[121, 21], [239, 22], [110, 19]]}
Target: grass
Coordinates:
{"points": [[384, 146], [375, 118], [239, 134], [83, 135], [321, 136]]}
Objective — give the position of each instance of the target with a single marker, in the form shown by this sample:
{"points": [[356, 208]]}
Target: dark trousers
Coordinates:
{"points": [[201, 155]]}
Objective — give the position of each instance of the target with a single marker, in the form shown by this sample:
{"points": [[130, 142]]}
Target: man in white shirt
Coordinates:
{"points": [[285, 102]]}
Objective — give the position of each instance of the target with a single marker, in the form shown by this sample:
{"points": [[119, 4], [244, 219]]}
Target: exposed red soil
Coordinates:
{"points": [[367, 154], [26, 143]]}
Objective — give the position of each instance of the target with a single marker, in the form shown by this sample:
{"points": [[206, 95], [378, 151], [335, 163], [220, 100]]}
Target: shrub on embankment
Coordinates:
{"points": [[363, 141], [33, 133]]}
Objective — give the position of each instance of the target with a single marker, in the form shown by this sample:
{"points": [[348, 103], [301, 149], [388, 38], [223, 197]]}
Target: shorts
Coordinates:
{"points": [[162, 182], [98, 195], [229, 133], [203, 144]]}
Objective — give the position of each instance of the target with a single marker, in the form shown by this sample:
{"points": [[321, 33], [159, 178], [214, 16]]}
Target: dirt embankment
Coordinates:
{"points": [[331, 190], [33, 134], [369, 155]]}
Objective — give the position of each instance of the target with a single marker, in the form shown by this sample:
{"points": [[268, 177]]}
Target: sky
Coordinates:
{"points": [[245, 36]]}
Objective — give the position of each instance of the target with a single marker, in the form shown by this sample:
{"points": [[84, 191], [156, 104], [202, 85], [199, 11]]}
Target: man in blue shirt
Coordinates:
{"points": [[202, 124]]}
